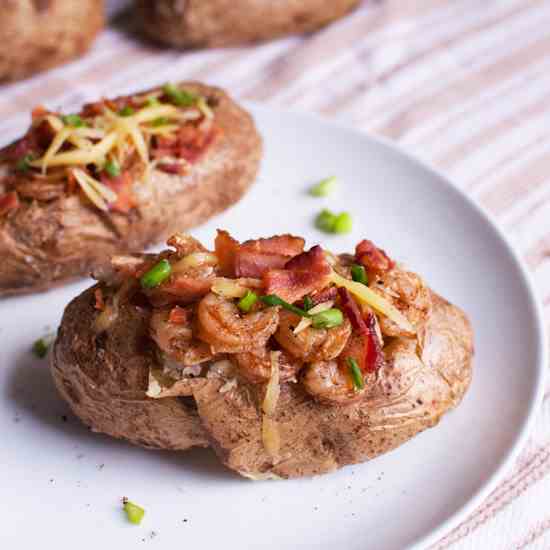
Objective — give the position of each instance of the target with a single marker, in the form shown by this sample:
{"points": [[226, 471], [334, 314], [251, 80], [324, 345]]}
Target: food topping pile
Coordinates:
{"points": [[266, 311], [102, 151]]}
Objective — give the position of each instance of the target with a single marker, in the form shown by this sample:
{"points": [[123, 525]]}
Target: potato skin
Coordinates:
{"points": [[405, 397], [41, 34], [214, 23], [44, 244]]}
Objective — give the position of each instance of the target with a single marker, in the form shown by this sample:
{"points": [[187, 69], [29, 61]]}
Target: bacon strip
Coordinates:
{"points": [[373, 258], [365, 348], [351, 309], [8, 201], [304, 274], [122, 186]]}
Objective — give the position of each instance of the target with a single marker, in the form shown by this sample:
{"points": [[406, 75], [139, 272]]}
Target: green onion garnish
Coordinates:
{"points": [[112, 168], [152, 102], [324, 187], [274, 300], [72, 120], [327, 319], [160, 121], [356, 374], [359, 274], [126, 111], [40, 348], [181, 98], [134, 513], [247, 301], [156, 275], [23, 163], [325, 221], [343, 223], [308, 303]]}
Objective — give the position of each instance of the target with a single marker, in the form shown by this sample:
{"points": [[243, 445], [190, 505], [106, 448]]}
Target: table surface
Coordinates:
{"points": [[462, 84]]}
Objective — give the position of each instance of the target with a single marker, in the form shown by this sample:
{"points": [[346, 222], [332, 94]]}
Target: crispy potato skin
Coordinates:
{"points": [[214, 23], [44, 244], [41, 34], [421, 381]]}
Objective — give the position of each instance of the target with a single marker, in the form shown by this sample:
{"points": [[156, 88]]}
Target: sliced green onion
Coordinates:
{"points": [[73, 120], [356, 374], [274, 300], [156, 275], [359, 274], [160, 121], [308, 303], [134, 513], [152, 102], [247, 301], [126, 111], [181, 98], [343, 223], [40, 348], [324, 187], [23, 163], [325, 221], [327, 319], [112, 168]]}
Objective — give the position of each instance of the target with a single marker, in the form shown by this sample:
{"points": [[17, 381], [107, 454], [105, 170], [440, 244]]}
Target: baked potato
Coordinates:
{"points": [[287, 363], [215, 23], [41, 34], [119, 175]]}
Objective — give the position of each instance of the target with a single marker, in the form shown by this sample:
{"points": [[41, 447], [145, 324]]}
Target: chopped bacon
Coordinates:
{"points": [[190, 143], [173, 168], [372, 257], [365, 348], [99, 300], [304, 274], [122, 185], [325, 295], [8, 201], [284, 245], [179, 315], [226, 248], [352, 311]]}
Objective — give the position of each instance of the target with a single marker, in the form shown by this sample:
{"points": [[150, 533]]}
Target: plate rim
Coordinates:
{"points": [[542, 352]]}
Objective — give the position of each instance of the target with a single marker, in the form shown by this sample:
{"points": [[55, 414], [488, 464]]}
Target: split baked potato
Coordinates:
{"points": [[215, 23], [41, 34], [121, 174], [287, 363]]}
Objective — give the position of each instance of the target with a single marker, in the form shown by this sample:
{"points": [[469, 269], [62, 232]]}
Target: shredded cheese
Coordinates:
{"points": [[98, 193]]}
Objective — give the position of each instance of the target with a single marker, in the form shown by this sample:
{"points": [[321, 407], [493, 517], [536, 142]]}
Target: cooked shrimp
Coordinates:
{"points": [[408, 293], [311, 344], [255, 366], [328, 383], [176, 341], [221, 325]]}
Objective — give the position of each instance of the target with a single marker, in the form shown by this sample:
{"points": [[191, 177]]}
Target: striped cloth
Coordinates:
{"points": [[462, 84]]}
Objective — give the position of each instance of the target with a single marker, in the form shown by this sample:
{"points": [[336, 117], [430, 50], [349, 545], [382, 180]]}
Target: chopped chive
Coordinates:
{"points": [[112, 168], [247, 301], [181, 98], [325, 221], [356, 374], [274, 300], [324, 187], [329, 318], [160, 121], [126, 111], [134, 513], [359, 274], [73, 120], [23, 163], [152, 102], [308, 303], [40, 348], [343, 223], [156, 275]]}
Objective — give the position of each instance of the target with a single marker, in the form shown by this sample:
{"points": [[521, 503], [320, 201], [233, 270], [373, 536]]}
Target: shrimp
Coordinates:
{"points": [[328, 383], [221, 325], [311, 344], [255, 366], [408, 293], [176, 341]]}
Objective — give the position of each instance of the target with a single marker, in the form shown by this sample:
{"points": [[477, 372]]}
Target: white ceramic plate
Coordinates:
{"points": [[61, 485]]}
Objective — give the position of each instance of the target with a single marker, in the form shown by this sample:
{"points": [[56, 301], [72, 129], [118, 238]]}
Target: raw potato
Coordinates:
{"points": [[43, 244], [213, 23], [420, 382], [40, 34]]}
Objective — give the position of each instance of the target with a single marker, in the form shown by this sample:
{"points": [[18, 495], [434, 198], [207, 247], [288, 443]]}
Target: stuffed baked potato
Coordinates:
{"points": [[214, 23], [288, 363], [41, 34], [119, 175]]}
